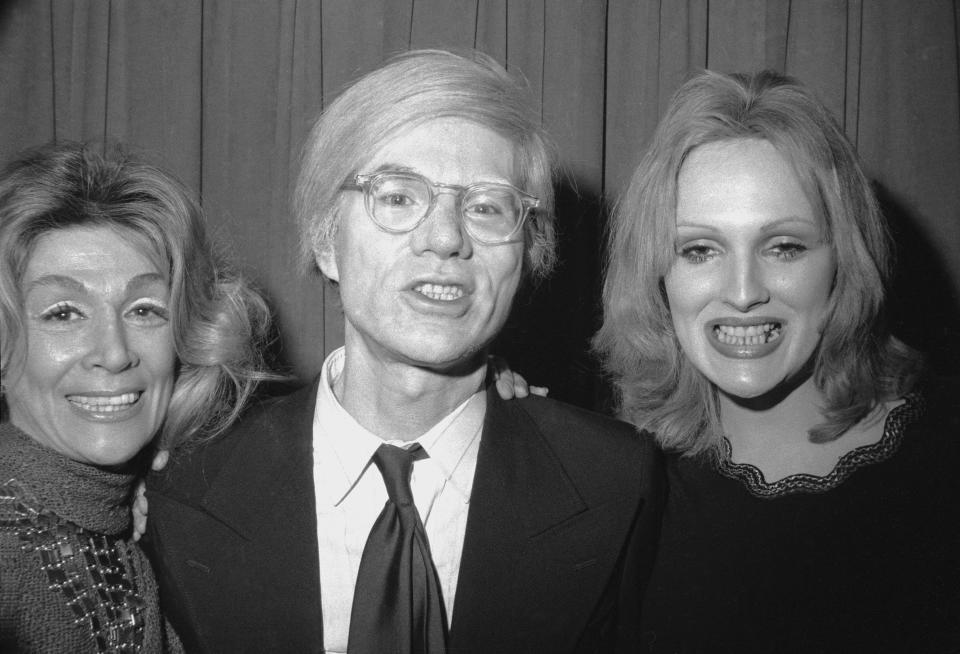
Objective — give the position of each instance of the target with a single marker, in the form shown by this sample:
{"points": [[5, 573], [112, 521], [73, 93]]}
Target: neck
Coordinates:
{"points": [[772, 433], [785, 415], [400, 401]]}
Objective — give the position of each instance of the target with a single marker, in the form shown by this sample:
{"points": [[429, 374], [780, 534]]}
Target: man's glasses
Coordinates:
{"points": [[399, 201]]}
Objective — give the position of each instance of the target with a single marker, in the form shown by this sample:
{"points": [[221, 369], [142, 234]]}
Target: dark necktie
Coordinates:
{"points": [[397, 605]]}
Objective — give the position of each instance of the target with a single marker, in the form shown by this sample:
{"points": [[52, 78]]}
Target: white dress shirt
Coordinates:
{"points": [[350, 495]]}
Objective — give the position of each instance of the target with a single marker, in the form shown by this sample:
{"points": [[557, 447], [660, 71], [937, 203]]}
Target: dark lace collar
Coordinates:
{"points": [[90, 497], [893, 429]]}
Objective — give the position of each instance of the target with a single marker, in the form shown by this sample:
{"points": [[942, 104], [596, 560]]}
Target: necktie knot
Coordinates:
{"points": [[396, 465], [397, 602]]}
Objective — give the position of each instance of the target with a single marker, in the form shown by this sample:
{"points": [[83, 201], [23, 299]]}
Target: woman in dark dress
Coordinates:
{"points": [[120, 331], [813, 496]]}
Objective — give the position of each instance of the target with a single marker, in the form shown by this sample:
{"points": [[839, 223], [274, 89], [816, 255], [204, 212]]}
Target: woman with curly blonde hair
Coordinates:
{"points": [[121, 332]]}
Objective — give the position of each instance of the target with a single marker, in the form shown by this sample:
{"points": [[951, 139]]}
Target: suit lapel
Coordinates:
{"points": [[520, 490], [271, 471], [265, 494]]}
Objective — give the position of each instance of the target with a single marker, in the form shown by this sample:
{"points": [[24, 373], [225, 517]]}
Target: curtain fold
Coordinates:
{"points": [[222, 92]]}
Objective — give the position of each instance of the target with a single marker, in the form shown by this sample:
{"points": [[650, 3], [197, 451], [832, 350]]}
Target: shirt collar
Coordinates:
{"points": [[343, 447]]}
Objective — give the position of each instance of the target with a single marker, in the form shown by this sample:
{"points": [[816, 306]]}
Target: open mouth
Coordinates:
{"points": [[440, 292], [105, 403], [739, 335]]}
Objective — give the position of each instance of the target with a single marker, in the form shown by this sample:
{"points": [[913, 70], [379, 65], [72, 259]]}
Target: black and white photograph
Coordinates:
{"points": [[480, 326]]}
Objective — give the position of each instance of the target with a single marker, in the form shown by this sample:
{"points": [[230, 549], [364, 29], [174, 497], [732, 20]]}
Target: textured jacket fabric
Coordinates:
{"points": [[561, 531], [75, 519]]}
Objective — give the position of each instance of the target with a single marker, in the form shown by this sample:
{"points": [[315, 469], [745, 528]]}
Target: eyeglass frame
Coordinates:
{"points": [[363, 182]]}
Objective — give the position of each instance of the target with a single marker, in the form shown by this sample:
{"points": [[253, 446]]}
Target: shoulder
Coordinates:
{"points": [[586, 443], [930, 416], [12, 446], [268, 427], [562, 422], [269, 416], [929, 409], [940, 395]]}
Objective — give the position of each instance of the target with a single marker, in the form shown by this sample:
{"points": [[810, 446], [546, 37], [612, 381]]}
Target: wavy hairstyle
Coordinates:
{"points": [[411, 89], [218, 322], [857, 364]]}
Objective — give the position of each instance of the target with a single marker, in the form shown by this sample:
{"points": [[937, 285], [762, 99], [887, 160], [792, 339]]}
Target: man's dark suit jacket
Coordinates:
{"points": [[560, 536]]}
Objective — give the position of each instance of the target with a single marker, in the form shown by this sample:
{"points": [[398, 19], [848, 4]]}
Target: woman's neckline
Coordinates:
{"points": [[894, 425]]}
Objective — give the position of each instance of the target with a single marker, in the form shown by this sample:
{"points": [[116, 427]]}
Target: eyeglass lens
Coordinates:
{"points": [[399, 202]]}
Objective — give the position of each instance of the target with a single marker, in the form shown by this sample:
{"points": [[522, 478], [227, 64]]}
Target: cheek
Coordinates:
{"points": [[684, 296], [366, 262], [809, 290], [31, 387], [158, 354], [504, 273], [47, 359]]}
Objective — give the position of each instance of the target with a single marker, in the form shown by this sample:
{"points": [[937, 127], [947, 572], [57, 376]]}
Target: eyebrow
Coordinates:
{"points": [[769, 227], [780, 222], [146, 279], [136, 283], [399, 168], [392, 167]]}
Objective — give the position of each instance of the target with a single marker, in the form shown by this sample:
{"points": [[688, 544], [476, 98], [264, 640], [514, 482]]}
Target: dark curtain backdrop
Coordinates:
{"points": [[223, 91]]}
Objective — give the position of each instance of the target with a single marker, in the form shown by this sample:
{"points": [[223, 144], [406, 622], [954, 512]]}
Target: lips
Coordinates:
{"points": [[440, 292], [750, 335], [745, 339], [103, 404]]}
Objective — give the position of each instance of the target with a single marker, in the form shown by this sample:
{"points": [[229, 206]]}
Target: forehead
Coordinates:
{"points": [[96, 256], [741, 180], [451, 151]]}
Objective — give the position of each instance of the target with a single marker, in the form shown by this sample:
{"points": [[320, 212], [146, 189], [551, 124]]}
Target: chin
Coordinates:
{"points": [[747, 388], [458, 364], [743, 392], [106, 454], [435, 349]]}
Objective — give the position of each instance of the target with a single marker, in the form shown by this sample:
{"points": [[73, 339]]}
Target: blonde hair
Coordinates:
{"points": [[409, 90], [218, 321], [858, 363]]}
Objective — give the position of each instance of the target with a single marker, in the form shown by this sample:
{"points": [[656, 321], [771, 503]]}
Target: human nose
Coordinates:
{"points": [[109, 347], [442, 231], [746, 286]]}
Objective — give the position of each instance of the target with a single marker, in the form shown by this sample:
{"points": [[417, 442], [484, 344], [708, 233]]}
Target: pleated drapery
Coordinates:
{"points": [[222, 92]]}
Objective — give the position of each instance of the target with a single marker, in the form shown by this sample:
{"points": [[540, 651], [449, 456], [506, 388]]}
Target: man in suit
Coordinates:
{"points": [[425, 197]]}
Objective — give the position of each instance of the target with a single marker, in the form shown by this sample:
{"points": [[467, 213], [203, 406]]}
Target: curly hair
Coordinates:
{"points": [[219, 323]]}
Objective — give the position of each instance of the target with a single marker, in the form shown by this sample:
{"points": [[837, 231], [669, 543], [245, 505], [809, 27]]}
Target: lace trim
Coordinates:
{"points": [[894, 427], [85, 567]]}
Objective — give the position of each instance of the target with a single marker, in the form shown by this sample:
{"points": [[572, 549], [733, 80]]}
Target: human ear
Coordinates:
{"points": [[325, 254], [326, 257]]}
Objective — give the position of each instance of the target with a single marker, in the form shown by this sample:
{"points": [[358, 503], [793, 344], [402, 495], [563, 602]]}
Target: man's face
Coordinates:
{"points": [[430, 297]]}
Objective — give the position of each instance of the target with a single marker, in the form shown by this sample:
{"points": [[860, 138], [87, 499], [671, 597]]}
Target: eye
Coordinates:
{"points": [[399, 193], [788, 250], [61, 312], [395, 200], [148, 312], [697, 252], [491, 203], [488, 209]]}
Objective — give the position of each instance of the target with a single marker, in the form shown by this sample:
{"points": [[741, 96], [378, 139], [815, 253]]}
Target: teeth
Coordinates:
{"points": [[445, 293], [752, 335], [101, 404]]}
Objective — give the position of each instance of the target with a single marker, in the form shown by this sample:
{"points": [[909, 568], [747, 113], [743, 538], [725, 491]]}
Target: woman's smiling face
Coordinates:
{"points": [[98, 367], [750, 285]]}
